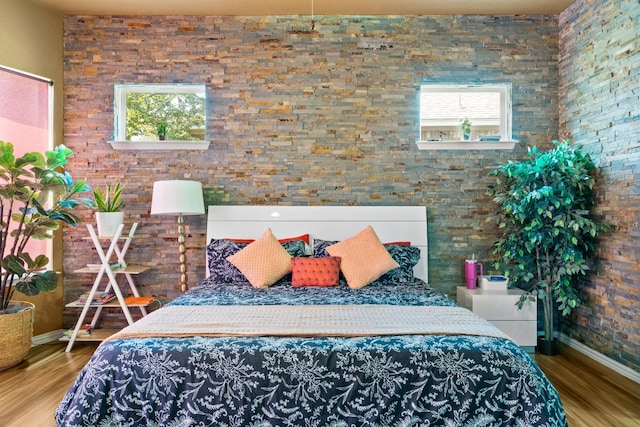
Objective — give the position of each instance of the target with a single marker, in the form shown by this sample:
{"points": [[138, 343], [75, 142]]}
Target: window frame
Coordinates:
{"points": [[121, 90], [506, 126]]}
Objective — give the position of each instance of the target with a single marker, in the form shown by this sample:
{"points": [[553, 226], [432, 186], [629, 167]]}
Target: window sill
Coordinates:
{"points": [[466, 145], [159, 145]]}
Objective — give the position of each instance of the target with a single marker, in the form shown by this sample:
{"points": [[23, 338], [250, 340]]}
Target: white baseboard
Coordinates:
{"points": [[46, 337], [601, 358]]}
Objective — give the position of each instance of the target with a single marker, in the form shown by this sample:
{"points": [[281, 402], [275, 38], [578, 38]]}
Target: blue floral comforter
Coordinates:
{"points": [[371, 381]]}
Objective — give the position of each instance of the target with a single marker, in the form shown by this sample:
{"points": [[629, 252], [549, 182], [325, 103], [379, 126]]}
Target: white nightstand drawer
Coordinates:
{"points": [[501, 309], [504, 307], [497, 306]]}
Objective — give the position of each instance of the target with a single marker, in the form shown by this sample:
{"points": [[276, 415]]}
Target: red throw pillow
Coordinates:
{"points": [[315, 271], [303, 237]]}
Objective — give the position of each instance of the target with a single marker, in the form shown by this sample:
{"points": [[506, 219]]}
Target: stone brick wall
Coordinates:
{"points": [[301, 117], [599, 108]]}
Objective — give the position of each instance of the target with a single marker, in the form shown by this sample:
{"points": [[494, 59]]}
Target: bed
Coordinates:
{"points": [[317, 347]]}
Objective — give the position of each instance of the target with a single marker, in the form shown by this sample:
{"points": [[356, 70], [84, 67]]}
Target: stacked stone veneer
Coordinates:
{"points": [[600, 108], [303, 117]]}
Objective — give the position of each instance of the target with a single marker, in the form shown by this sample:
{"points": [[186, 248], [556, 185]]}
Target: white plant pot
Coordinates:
{"points": [[108, 223]]}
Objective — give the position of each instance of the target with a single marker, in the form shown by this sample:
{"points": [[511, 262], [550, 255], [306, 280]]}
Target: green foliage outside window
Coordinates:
{"points": [[183, 113]]}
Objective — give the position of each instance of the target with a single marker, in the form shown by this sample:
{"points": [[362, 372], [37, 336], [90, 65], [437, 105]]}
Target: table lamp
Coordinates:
{"points": [[178, 197]]}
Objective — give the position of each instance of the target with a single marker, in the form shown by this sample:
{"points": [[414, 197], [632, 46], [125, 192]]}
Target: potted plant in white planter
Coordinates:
{"points": [[548, 230], [36, 194], [108, 205]]}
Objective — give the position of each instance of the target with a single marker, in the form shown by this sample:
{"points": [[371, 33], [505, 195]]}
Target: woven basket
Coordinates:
{"points": [[16, 330]]}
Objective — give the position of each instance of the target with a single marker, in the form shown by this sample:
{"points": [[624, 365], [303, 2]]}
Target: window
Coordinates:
{"points": [[26, 122], [153, 112], [487, 108]]}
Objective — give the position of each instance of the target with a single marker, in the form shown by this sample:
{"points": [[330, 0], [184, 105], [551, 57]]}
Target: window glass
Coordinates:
{"points": [[25, 121], [445, 108], [152, 112]]}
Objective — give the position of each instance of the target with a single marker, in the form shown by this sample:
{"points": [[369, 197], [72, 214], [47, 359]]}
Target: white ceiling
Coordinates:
{"points": [[304, 7]]}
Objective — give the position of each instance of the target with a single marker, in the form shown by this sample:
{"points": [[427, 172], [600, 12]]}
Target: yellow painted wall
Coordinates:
{"points": [[31, 41]]}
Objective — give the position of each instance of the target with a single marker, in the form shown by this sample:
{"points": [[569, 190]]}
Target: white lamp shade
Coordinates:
{"points": [[177, 197]]}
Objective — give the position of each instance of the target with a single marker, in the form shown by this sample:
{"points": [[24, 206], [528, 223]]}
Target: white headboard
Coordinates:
{"points": [[391, 224]]}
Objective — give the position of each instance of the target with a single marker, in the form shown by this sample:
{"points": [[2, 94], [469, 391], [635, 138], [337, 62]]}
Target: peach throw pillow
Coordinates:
{"points": [[364, 258], [263, 262]]}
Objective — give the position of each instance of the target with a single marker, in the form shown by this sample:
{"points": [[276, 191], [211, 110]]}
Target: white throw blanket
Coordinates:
{"points": [[308, 321]]}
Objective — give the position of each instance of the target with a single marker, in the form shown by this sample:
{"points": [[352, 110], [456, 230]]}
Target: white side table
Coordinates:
{"points": [[117, 247], [501, 309]]}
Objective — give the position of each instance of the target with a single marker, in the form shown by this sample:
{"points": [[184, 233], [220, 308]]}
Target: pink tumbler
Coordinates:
{"points": [[471, 272]]}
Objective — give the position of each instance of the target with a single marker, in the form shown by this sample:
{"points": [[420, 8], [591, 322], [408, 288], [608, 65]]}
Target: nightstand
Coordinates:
{"points": [[501, 309]]}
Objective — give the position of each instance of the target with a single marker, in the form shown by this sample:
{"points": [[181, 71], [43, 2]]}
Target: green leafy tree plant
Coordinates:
{"points": [[36, 195], [548, 230]]}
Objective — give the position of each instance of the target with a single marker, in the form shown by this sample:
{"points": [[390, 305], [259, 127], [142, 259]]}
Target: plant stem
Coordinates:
{"points": [[548, 302], [6, 279]]}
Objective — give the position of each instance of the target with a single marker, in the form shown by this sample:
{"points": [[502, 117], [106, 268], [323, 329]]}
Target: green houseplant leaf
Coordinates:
{"points": [[36, 194], [110, 200], [548, 231]]}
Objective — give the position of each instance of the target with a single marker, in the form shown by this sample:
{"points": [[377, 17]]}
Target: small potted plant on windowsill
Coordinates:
{"points": [[108, 205], [465, 126], [161, 127], [36, 194]]}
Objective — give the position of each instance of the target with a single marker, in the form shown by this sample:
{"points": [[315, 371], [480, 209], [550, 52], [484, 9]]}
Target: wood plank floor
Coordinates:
{"points": [[593, 395], [31, 391]]}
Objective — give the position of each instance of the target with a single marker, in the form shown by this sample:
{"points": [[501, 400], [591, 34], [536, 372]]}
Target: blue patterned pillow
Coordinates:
{"points": [[319, 247], [406, 256], [296, 248], [222, 271]]}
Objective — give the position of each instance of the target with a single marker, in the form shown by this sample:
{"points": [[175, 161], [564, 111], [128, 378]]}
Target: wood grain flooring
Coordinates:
{"points": [[31, 391], [593, 395]]}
